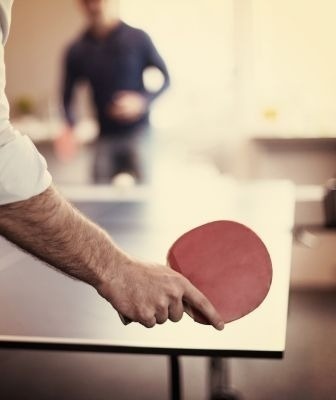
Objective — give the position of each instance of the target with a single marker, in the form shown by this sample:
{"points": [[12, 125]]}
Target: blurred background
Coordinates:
{"points": [[252, 95], [252, 82]]}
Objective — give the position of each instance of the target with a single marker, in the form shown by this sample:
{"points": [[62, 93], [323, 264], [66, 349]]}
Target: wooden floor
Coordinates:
{"points": [[307, 372]]}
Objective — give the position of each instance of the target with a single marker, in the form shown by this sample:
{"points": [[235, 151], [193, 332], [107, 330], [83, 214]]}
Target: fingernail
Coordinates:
{"points": [[220, 326]]}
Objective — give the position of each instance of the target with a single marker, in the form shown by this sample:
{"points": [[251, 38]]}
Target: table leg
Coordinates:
{"points": [[175, 383], [219, 380]]}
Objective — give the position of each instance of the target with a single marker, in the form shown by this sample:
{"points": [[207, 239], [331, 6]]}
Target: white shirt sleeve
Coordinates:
{"points": [[23, 170]]}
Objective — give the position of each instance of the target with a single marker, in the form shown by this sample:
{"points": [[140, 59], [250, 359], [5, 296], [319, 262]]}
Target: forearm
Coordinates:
{"points": [[154, 60], [48, 227], [70, 81], [69, 115]]}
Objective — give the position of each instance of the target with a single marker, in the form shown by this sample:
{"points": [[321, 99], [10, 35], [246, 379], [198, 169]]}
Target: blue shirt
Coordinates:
{"points": [[111, 64]]}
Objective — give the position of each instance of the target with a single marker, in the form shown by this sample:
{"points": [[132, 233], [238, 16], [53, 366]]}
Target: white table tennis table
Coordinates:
{"points": [[45, 310]]}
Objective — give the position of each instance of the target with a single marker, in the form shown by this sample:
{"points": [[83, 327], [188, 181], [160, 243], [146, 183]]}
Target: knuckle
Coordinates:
{"points": [[176, 286], [171, 276], [179, 280], [167, 276], [184, 284], [175, 293], [161, 305]]}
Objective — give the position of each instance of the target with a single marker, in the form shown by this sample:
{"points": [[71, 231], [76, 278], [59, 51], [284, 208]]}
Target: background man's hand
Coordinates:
{"points": [[127, 106], [151, 294], [66, 145]]}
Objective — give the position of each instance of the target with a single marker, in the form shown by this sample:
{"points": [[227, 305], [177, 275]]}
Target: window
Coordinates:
{"points": [[196, 39]]}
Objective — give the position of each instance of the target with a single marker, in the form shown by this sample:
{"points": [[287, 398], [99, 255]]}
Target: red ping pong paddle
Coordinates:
{"points": [[228, 263]]}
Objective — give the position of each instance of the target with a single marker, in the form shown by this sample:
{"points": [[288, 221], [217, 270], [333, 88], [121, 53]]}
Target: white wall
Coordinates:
{"points": [[270, 54], [291, 50], [40, 30], [294, 66]]}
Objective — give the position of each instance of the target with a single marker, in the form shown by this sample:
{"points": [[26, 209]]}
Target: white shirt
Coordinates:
{"points": [[23, 171]]}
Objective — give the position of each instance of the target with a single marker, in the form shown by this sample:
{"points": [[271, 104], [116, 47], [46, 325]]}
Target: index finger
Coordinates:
{"points": [[196, 299]]}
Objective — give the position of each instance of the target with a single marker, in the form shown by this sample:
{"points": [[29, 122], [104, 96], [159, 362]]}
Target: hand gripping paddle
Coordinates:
{"points": [[228, 263]]}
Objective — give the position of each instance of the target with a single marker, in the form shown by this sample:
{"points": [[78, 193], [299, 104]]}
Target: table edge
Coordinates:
{"points": [[21, 344]]}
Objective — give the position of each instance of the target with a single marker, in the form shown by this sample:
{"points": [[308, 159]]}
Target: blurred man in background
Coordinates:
{"points": [[112, 56]]}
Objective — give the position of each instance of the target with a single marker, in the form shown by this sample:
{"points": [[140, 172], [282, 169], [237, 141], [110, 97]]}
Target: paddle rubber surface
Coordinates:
{"points": [[228, 263]]}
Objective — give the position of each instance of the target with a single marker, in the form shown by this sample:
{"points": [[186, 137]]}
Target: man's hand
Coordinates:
{"points": [[65, 145], [151, 294], [127, 107]]}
